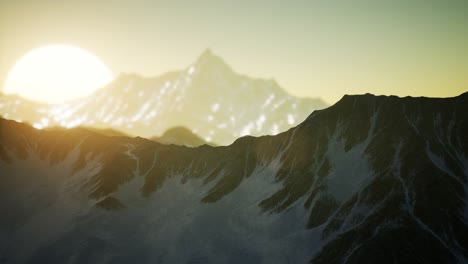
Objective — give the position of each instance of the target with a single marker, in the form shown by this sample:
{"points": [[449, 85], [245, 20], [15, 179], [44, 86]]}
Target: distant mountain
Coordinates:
{"points": [[208, 97], [368, 180], [180, 136]]}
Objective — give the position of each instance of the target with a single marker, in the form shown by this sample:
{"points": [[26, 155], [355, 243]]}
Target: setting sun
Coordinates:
{"points": [[57, 73]]}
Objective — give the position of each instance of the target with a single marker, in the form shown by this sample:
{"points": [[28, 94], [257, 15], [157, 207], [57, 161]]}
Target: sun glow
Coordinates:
{"points": [[57, 73]]}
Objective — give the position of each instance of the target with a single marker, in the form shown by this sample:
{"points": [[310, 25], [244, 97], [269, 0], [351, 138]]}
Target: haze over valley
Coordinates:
{"points": [[209, 131]]}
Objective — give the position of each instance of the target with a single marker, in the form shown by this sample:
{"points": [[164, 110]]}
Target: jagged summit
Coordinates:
{"points": [[209, 63], [389, 104], [207, 55], [368, 99], [370, 96]]}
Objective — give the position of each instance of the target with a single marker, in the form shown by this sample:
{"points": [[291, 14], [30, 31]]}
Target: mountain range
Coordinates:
{"points": [[208, 98], [371, 179]]}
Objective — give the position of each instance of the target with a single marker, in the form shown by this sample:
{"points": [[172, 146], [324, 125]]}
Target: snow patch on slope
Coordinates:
{"points": [[350, 169], [51, 196], [438, 161], [465, 166], [454, 249], [172, 225]]}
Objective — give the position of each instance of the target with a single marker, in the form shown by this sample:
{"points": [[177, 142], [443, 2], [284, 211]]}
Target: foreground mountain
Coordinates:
{"points": [[208, 97], [368, 180]]}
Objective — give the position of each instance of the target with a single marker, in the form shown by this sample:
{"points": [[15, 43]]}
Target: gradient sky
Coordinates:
{"points": [[311, 48]]}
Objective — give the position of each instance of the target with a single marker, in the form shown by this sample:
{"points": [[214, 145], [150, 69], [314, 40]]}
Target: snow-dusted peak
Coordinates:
{"points": [[207, 97], [209, 63]]}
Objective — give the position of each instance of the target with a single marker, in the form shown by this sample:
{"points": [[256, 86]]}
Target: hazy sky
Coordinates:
{"points": [[311, 48]]}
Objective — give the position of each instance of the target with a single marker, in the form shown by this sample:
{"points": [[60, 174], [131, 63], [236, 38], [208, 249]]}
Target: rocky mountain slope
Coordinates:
{"points": [[207, 97], [372, 179]]}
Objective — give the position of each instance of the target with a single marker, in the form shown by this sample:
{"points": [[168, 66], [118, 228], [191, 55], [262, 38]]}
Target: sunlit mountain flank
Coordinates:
{"points": [[208, 98], [368, 180]]}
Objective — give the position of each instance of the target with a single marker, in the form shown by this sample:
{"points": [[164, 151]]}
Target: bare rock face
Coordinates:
{"points": [[368, 180]]}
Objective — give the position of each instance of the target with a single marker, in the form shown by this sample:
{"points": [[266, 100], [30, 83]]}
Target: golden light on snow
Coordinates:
{"points": [[57, 73]]}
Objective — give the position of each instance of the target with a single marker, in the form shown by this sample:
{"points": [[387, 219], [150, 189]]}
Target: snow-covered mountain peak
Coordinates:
{"points": [[212, 71], [207, 57], [207, 97]]}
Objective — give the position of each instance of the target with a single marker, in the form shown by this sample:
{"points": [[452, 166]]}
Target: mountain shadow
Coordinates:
{"points": [[372, 179]]}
